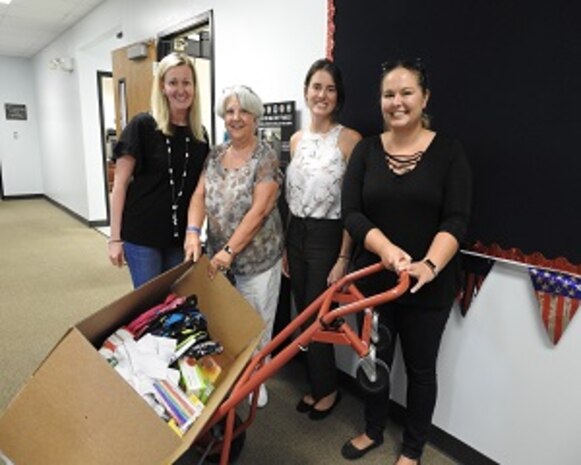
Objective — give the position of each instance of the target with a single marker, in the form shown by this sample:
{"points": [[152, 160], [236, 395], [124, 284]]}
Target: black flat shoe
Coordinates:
{"points": [[350, 452], [303, 407], [315, 414]]}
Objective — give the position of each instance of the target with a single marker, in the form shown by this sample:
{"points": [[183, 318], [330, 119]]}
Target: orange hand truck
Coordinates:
{"points": [[224, 433]]}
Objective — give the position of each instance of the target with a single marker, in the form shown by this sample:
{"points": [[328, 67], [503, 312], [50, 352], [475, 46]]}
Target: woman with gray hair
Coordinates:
{"points": [[158, 161], [237, 192]]}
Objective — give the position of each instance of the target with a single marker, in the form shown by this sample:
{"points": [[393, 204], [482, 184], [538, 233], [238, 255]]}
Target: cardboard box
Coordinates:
{"points": [[76, 410]]}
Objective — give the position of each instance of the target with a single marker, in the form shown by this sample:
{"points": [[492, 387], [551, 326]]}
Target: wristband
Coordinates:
{"points": [[345, 257], [194, 229], [431, 265], [228, 249], [114, 241]]}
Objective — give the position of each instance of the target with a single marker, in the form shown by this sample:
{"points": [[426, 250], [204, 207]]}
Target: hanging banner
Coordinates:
{"points": [[558, 295], [474, 272]]}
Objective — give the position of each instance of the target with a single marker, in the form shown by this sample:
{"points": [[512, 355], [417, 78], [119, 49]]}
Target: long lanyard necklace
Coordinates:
{"points": [[176, 198]]}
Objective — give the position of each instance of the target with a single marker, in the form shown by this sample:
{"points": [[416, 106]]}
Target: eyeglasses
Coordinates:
{"points": [[413, 63]]}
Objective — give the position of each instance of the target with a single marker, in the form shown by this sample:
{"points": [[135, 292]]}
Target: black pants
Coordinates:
{"points": [[420, 332], [313, 247]]}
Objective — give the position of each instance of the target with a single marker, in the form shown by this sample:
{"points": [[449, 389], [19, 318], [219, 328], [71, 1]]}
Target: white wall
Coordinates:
{"points": [[70, 137], [504, 389], [69, 113], [20, 158], [204, 75]]}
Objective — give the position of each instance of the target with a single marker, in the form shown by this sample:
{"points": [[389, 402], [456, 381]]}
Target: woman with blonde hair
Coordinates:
{"points": [[158, 161]]}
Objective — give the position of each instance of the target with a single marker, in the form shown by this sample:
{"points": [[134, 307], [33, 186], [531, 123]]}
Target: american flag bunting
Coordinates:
{"points": [[558, 295]]}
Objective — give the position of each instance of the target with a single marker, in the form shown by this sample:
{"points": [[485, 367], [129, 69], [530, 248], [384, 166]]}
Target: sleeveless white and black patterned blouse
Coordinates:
{"points": [[314, 176]]}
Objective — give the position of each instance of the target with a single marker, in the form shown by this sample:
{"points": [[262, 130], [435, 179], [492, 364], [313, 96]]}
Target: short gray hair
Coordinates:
{"points": [[248, 99]]}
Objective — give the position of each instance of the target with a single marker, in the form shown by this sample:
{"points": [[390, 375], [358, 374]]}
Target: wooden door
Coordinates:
{"points": [[132, 80]]}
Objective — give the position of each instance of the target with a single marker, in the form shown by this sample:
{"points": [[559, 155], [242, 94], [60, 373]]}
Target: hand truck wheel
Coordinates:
{"points": [[381, 381]]}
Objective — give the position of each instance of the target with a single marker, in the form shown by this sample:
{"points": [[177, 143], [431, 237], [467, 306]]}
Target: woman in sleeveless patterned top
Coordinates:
{"points": [[317, 248]]}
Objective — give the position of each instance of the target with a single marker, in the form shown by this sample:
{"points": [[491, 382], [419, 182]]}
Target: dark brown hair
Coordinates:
{"points": [[329, 66]]}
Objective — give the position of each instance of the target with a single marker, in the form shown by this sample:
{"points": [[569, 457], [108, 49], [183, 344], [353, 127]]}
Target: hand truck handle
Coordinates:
{"points": [[364, 302]]}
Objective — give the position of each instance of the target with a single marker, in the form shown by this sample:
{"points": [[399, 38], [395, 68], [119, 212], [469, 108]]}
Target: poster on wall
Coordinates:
{"points": [[15, 111], [276, 127]]}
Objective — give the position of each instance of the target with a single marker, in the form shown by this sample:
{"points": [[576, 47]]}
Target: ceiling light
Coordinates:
{"points": [[5, 1]]}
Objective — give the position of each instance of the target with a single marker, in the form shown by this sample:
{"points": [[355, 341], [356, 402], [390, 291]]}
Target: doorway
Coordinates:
{"points": [[130, 89], [195, 37], [1, 185], [106, 125]]}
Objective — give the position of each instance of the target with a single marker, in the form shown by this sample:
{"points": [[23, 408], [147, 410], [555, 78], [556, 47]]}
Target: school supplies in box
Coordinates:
{"points": [[178, 322], [146, 351], [191, 379], [186, 344], [179, 406], [116, 339], [139, 325], [185, 323], [194, 380], [209, 368]]}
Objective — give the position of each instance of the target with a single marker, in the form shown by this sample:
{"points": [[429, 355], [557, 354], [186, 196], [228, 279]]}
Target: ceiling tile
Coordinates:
{"points": [[27, 26]]}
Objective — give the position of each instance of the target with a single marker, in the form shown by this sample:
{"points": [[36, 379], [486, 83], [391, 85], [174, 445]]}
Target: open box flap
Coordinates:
{"points": [[77, 410]]}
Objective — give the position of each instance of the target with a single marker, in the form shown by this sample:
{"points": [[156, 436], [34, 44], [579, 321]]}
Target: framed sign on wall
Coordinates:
{"points": [[15, 111]]}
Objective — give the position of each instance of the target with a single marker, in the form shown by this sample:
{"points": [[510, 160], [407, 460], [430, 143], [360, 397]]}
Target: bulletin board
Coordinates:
{"points": [[505, 80]]}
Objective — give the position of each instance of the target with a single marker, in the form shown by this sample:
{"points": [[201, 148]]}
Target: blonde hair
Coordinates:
{"points": [[159, 103]]}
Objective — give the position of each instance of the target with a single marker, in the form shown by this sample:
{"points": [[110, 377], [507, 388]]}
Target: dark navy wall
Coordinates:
{"points": [[506, 80]]}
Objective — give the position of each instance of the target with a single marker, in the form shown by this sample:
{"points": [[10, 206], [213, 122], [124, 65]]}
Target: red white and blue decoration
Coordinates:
{"points": [[558, 295], [475, 269]]}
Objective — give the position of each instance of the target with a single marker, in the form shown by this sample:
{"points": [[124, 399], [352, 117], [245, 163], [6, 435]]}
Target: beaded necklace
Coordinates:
{"points": [[176, 198]]}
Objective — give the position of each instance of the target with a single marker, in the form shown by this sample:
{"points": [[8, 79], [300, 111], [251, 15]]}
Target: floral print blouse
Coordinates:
{"points": [[228, 197], [315, 175]]}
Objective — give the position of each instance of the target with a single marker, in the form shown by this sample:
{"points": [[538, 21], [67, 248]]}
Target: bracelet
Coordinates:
{"points": [[344, 257], [114, 241], [194, 229], [432, 266], [228, 249]]}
